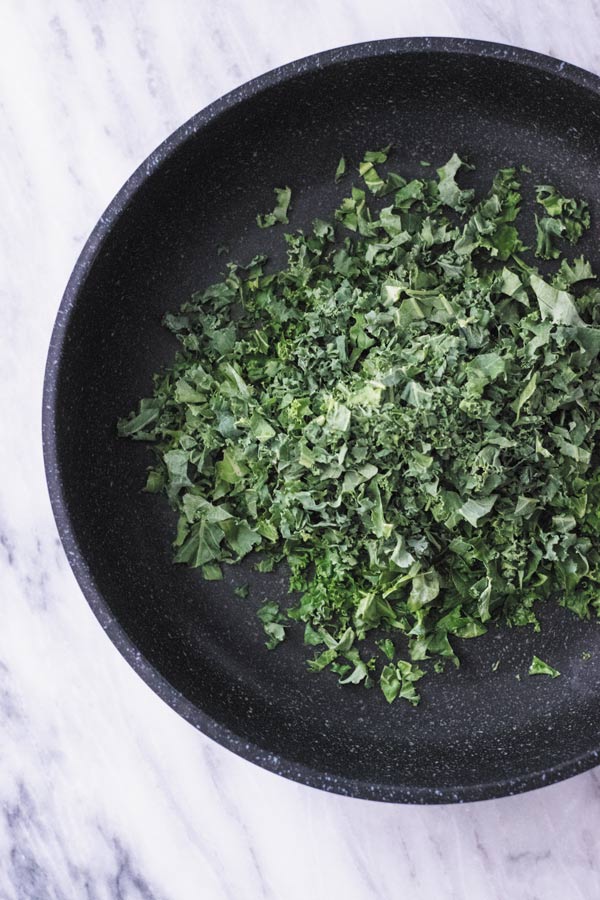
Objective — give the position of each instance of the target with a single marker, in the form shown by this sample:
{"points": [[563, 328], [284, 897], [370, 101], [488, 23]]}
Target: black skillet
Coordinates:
{"points": [[477, 733]]}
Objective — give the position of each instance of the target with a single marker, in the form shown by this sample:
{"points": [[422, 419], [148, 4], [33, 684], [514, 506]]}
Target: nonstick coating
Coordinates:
{"points": [[477, 733]]}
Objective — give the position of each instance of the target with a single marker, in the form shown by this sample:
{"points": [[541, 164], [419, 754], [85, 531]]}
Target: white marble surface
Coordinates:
{"points": [[105, 792]]}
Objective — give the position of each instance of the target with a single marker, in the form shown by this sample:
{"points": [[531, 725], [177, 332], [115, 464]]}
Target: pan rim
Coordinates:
{"points": [[225, 736]]}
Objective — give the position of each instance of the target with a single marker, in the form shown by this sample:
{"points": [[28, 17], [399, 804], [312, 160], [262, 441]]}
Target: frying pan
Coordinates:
{"points": [[478, 733]]}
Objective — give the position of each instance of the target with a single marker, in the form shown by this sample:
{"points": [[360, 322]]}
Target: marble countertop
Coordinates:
{"points": [[105, 793]]}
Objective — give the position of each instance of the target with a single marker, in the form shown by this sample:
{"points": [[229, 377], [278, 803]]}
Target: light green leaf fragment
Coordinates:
{"points": [[525, 507], [415, 394], [483, 604], [525, 395], [240, 536], [341, 170], [359, 672], [539, 667], [279, 213], [196, 507], [450, 193], [372, 178], [231, 468], [338, 417], [474, 510], [424, 590], [510, 283], [555, 304], [202, 545], [185, 393], [148, 414], [486, 367], [272, 622], [387, 647], [390, 683], [261, 429]]}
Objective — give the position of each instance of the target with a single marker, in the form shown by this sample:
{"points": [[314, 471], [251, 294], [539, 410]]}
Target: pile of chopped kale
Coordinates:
{"points": [[408, 415]]}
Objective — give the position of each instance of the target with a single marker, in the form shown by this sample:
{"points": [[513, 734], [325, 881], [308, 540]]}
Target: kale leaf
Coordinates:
{"points": [[539, 667], [279, 213]]}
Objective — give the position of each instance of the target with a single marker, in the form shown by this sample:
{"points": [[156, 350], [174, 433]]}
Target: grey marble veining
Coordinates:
{"points": [[105, 792]]}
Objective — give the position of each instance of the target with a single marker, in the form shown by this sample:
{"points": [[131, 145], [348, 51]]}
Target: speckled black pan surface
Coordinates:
{"points": [[477, 734]]}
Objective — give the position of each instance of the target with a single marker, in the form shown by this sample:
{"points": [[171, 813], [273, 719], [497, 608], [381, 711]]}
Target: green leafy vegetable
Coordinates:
{"points": [[341, 170], [572, 215], [450, 193], [279, 214], [547, 232], [399, 681], [539, 667], [273, 623], [407, 414]]}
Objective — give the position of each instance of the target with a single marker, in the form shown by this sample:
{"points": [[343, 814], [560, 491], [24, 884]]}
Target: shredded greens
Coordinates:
{"points": [[407, 413]]}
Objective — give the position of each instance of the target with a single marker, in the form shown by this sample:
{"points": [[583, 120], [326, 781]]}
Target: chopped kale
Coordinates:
{"points": [[407, 414]]}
